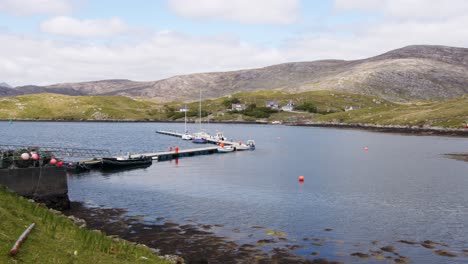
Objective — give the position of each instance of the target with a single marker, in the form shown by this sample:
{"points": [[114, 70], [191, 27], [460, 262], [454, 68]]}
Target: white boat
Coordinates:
{"points": [[200, 137], [241, 147], [226, 149], [251, 144], [186, 136], [220, 136]]}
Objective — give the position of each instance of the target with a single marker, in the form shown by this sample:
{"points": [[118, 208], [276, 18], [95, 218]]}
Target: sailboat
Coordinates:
{"points": [[186, 135], [200, 137]]}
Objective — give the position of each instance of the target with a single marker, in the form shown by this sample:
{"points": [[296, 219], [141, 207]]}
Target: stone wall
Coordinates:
{"points": [[43, 184]]}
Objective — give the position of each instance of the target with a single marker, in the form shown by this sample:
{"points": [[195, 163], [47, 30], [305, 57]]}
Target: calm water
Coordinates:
{"points": [[402, 188]]}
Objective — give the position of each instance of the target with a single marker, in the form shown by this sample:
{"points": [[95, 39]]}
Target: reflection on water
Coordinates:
{"points": [[401, 188]]}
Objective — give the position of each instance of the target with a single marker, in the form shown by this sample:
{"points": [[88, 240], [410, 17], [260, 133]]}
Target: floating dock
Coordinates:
{"points": [[210, 140], [168, 155], [173, 154]]}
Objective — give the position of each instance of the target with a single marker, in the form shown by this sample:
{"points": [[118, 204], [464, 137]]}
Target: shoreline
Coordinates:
{"points": [[400, 129]]}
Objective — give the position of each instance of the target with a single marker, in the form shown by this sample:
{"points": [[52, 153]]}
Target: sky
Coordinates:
{"points": [[54, 41]]}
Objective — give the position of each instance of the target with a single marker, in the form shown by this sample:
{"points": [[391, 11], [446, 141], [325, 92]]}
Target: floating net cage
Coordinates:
{"points": [[10, 155]]}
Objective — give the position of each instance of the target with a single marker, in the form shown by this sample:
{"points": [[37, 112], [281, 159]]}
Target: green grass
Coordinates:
{"points": [[448, 113], [55, 239], [330, 108], [55, 106]]}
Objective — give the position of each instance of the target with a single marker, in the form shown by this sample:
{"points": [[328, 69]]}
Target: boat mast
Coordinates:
{"points": [[199, 109], [185, 110]]}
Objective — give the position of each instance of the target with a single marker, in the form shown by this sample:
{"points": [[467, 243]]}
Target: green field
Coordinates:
{"points": [[55, 239], [328, 106]]}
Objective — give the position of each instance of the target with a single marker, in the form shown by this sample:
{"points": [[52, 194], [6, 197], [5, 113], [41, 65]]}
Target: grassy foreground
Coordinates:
{"points": [[328, 107], [55, 239]]}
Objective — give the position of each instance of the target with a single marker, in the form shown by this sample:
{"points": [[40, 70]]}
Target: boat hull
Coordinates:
{"points": [[114, 163]]}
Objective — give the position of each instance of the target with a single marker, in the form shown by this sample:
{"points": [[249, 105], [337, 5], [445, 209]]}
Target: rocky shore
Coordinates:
{"points": [[194, 243], [424, 130]]}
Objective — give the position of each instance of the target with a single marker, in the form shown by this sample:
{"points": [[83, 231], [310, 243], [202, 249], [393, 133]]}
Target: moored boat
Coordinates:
{"points": [[226, 149], [251, 144], [122, 163], [187, 136]]}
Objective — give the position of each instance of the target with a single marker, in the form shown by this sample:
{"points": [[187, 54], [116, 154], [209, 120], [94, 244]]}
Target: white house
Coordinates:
{"points": [[288, 107], [184, 109], [238, 107], [272, 104]]}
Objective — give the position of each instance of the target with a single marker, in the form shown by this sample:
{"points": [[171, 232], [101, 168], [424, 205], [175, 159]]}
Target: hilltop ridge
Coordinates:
{"points": [[418, 72]]}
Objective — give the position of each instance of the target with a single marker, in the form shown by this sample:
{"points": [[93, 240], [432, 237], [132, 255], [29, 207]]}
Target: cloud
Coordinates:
{"points": [[68, 26], [244, 11], [408, 9], [26, 60], [33, 7], [156, 55]]}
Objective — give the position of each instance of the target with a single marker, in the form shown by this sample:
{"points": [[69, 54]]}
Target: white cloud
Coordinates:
{"points": [[357, 4], [27, 60], [244, 11], [36, 61], [32, 7], [68, 26], [408, 9]]}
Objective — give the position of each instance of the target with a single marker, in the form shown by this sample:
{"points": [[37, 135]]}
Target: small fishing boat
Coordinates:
{"points": [[187, 136], [251, 144], [241, 147], [126, 162], [201, 138], [226, 149]]}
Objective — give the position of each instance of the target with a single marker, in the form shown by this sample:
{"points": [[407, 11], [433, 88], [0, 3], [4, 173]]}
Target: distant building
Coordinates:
{"points": [[238, 107], [288, 107], [184, 109], [272, 104]]}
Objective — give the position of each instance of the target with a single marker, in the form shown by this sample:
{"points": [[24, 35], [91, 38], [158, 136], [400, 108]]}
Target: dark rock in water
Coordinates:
{"points": [[434, 243], [429, 246], [407, 242], [315, 253], [400, 260], [324, 261], [359, 254], [388, 248], [258, 227], [327, 229], [444, 253], [265, 241], [294, 247], [317, 244]]}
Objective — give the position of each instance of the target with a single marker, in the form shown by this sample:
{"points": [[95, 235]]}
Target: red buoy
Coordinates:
{"points": [[53, 161], [35, 156], [366, 148], [70, 164], [60, 163], [301, 178]]}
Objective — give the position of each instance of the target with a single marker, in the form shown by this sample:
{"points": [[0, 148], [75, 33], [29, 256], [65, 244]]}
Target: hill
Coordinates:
{"points": [[414, 72], [317, 106]]}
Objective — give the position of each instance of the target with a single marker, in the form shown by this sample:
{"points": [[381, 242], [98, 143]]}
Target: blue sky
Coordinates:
{"points": [[51, 41]]}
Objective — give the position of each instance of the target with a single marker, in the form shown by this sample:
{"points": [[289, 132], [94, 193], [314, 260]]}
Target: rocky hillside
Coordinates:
{"points": [[413, 72]]}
